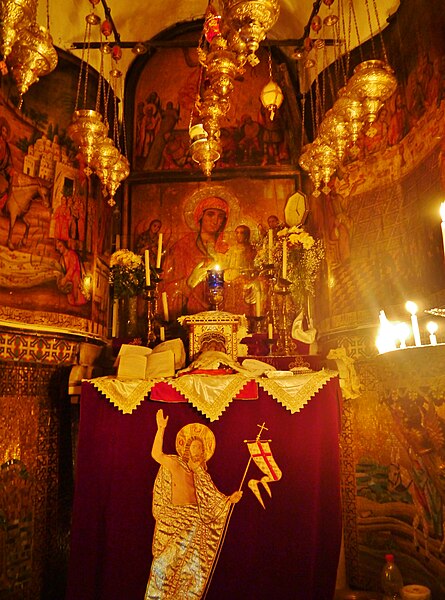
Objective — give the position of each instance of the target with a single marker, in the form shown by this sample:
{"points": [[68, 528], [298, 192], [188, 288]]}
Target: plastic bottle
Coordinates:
{"points": [[391, 579]]}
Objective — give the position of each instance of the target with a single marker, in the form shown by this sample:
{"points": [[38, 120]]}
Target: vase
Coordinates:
{"points": [[128, 317]]}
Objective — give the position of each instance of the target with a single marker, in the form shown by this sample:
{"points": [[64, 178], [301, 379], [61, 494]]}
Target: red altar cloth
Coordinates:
{"points": [[289, 551]]}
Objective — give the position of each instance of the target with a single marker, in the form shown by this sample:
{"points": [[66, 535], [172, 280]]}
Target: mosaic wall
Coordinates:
{"points": [[36, 464]]}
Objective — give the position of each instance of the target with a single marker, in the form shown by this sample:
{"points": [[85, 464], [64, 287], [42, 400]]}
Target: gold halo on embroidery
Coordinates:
{"points": [[193, 430]]}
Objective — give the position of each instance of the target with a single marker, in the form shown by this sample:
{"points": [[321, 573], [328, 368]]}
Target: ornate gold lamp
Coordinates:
{"points": [[15, 15], [334, 130], [350, 111], [89, 128], [252, 19], [372, 83], [307, 162], [32, 56], [205, 151]]}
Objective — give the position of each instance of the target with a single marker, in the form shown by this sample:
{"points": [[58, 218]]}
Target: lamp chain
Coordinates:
{"points": [[354, 16], [380, 31], [47, 15], [101, 74], [368, 14]]}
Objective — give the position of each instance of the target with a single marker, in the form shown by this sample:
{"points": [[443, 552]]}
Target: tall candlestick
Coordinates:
{"points": [[411, 307], [442, 214], [114, 318], [258, 304], [284, 258], [147, 268], [118, 242], [165, 306], [270, 247], [159, 254]]}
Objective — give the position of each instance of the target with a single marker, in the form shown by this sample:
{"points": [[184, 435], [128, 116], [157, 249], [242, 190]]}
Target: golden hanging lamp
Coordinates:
{"points": [[206, 153], [118, 172], [252, 19], [335, 131], [372, 83], [15, 15], [33, 55], [349, 110]]}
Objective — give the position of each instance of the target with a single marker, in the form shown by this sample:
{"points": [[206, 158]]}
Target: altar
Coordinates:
{"points": [[288, 550]]}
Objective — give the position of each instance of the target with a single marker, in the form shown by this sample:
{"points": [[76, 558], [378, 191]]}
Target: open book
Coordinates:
{"points": [[140, 362]]}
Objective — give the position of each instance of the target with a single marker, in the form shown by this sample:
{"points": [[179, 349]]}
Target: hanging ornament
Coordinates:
{"points": [[116, 52], [106, 28], [316, 24], [271, 95]]}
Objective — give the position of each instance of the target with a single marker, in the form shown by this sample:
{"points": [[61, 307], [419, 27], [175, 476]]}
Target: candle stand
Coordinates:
{"points": [[215, 288], [280, 315], [152, 296], [150, 292]]}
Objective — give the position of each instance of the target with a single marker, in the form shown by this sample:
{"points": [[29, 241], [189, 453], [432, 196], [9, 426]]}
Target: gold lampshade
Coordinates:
{"points": [[33, 55], [271, 98], [349, 110], [212, 109], [253, 19], [15, 15], [335, 131], [206, 152], [118, 172], [87, 128], [107, 157], [372, 83], [221, 70], [307, 161]]}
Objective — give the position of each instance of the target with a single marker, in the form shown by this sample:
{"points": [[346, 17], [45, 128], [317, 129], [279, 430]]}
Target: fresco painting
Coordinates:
{"points": [[49, 226], [163, 108]]}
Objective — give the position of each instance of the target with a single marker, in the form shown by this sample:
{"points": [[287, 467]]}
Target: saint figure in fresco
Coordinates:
{"points": [[148, 240], [190, 514], [238, 271], [187, 261], [239, 258], [70, 282]]}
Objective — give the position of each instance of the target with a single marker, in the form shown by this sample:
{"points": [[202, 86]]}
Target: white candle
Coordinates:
{"points": [[165, 306], [432, 328], [411, 307], [270, 247], [284, 258], [159, 255], [162, 333], [147, 268], [270, 331], [442, 214], [258, 304], [118, 241]]}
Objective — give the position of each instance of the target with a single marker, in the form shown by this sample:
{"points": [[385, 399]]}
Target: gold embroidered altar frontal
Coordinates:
{"points": [[212, 394]]}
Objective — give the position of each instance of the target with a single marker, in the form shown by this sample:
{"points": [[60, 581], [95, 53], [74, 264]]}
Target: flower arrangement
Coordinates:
{"points": [[127, 273], [304, 256]]}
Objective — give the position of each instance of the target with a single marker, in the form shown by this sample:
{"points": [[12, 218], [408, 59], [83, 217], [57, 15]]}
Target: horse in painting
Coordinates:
{"points": [[17, 206]]}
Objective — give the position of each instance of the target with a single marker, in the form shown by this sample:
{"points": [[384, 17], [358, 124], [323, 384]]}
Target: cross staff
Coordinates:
{"points": [[223, 537], [257, 439]]}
